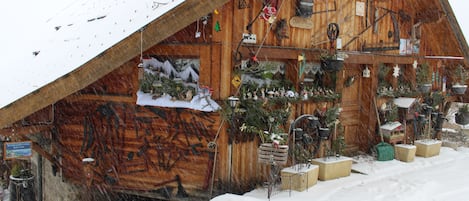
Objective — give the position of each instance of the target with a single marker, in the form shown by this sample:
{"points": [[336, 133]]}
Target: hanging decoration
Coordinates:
{"points": [[396, 71], [242, 4], [217, 26], [268, 13], [415, 64], [366, 72], [236, 81], [301, 64]]}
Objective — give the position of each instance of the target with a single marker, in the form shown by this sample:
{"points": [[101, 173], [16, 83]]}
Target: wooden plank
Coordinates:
{"points": [[156, 31], [25, 130]]}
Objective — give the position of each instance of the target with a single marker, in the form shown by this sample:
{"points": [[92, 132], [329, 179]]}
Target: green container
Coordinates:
{"points": [[385, 151]]}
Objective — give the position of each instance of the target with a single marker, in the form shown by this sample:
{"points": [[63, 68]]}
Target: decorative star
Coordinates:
{"points": [[396, 71], [415, 64]]}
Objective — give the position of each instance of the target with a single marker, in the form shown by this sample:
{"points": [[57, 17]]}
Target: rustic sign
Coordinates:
{"points": [[14, 150]]}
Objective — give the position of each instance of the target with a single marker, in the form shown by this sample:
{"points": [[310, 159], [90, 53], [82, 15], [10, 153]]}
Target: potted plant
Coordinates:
{"points": [[423, 79], [331, 62], [462, 116], [459, 87], [21, 182]]}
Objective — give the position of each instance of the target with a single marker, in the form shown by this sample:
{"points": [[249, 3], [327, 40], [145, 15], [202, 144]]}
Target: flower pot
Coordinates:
{"points": [[268, 153], [333, 167], [332, 65], [459, 89], [22, 188], [324, 133], [405, 152], [299, 177], [425, 88], [462, 118], [427, 148], [305, 8]]}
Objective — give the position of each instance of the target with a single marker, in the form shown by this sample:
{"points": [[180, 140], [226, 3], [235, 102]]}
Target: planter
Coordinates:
{"points": [[324, 133], [22, 189], [333, 167], [459, 89], [305, 8], [427, 148], [425, 88], [462, 118], [268, 153], [332, 65], [405, 152], [299, 177]]}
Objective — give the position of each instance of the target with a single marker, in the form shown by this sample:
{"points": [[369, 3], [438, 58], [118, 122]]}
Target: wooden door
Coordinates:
{"points": [[350, 116]]}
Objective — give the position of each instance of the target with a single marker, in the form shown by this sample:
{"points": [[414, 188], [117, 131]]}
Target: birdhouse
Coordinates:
{"points": [[407, 107], [393, 132]]}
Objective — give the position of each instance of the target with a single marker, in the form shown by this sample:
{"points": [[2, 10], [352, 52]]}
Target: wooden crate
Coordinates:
{"points": [[267, 154]]}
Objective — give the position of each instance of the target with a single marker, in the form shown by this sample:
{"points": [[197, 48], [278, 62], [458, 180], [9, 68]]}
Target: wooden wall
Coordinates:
{"points": [[144, 147]]}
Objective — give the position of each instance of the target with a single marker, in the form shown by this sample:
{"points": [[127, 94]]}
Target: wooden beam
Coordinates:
{"points": [[38, 149], [106, 98], [111, 59], [279, 53], [21, 131]]}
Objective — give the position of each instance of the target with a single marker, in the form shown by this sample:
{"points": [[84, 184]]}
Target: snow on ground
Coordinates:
{"points": [[439, 178]]}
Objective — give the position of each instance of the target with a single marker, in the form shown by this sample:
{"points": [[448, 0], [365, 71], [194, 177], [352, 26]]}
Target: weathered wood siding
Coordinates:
{"points": [[143, 147]]}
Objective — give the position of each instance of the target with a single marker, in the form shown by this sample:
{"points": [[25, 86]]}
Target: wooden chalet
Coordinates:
{"points": [[144, 149]]}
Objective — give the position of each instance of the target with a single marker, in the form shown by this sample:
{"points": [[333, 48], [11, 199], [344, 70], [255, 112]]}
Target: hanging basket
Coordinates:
{"points": [[331, 65], [459, 89], [268, 153], [425, 88], [324, 133], [462, 118]]}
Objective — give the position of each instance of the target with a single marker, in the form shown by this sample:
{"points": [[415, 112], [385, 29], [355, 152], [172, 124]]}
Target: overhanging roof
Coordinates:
{"points": [[94, 56]]}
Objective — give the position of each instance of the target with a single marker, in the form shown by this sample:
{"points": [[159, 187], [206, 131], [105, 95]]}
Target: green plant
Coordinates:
{"points": [[16, 169], [338, 144], [464, 108], [461, 75], [383, 83], [20, 170], [422, 74]]}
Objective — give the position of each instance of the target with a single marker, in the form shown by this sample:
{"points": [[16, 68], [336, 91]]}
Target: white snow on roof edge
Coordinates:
{"points": [[65, 41]]}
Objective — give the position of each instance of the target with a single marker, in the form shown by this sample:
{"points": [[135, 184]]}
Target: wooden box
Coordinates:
{"points": [[333, 167], [405, 152], [299, 177], [428, 148]]}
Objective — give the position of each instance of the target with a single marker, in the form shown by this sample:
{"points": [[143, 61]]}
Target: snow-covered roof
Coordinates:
{"points": [[41, 43]]}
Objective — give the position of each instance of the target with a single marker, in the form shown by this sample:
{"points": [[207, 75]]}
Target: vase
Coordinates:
{"points": [[331, 65]]}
